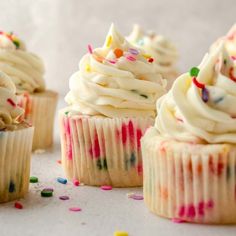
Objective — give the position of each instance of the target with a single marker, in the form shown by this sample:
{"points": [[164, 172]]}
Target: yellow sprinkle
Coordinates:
{"points": [[109, 40], [147, 55], [87, 68], [121, 233]]}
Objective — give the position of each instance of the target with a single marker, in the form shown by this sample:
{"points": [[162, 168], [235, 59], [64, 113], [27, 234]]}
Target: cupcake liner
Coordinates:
{"points": [[103, 151], [189, 182], [15, 158], [40, 111]]}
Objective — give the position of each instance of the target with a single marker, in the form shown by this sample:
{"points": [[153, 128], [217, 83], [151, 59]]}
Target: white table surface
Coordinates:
{"points": [[103, 212]]}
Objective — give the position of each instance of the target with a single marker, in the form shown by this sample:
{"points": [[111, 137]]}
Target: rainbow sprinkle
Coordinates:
{"points": [[90, 49], [109, 41]]}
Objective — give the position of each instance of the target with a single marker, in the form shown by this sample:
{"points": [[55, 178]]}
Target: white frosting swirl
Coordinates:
{"points": [[9, 110], [192, 114], [115, 81], [157, 46], [25, 68]]}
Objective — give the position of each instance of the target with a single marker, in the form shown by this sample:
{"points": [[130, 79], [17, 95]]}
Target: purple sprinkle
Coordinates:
{"points": [[64, 198], [205, 95], [136, 197], [133, 51]]}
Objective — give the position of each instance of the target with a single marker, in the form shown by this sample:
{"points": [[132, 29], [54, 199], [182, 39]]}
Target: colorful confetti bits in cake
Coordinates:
{"points": [[130, 58], [61, 180], [118, 52], [34, 179], [106, 187], [46, 193], [120, 233], [194, 71], [198, 84], [75, 209], [133, 51], [18, 205], [205, 95], [64, 198], [150, 60], [109, 41], [90, 49]]}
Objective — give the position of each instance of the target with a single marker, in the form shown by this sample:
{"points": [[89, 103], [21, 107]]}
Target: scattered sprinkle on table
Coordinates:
{"points": [[18, 205], [61, 180], [178, 221], [64, 198], [46, 193], [121, 233], [76, 182], [135, 196], [106, 187], [59, 161], [34, 179], [75, 209]]}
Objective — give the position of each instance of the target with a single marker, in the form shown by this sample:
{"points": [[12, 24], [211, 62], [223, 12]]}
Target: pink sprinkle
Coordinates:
{"points": [[233, 58], [136, 197], [130, 58], [76, 182], [18, 205], [106, 187], [64, 198], [178, 221], [112, 61], [59, 161], [75, 209], [9, 100], [90, 49]]}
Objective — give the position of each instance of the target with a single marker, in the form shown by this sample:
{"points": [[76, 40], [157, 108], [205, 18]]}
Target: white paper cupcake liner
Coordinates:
{"points": [[103, 151], [15, 158], [40, 111], [189, 182]]}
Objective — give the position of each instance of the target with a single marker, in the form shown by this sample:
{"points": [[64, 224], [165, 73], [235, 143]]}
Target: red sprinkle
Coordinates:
{"points": [[9, 100], [150, 59], [18, 205], [198, 84], [75, 209], [106, 187], [90, 49], [76, 182], [231, 74]]}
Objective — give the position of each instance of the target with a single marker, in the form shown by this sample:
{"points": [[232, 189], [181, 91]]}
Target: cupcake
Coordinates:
{"points": [[15, 144], [26, 71], [190, 154], [160, 49], [111, 104]]}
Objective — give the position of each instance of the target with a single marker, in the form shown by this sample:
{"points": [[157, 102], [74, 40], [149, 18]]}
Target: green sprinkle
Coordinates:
{"points": [[46, 193], [194, 71], [225, 61], [67, 112], [34, 179], [17, 43]]}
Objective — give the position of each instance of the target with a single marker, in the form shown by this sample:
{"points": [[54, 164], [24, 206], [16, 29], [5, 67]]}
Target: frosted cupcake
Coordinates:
{"points": [[190, 154], [160, 49], [111, 104], [26, 71], [15, 144]]}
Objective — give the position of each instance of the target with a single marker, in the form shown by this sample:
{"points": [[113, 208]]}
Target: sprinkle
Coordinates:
{"points": [[76, 182], [16, 42], [61, 180], [135, 196], [90, 49], [18, 205], [59, 161], [194, 71], [233, 58], [130, 58], [231, 74], [178, 221], [118, 52], [112, 61], [46, 193], [133, 51], [120, 233], [147, 56], [218, 100], [106, 187], [205, 95], [109, 41], [67, 112], [88, 68], [9, 100], [98, 58], [75, 209], [150, 59], [225, 61], [34, 179], [64, 198], [143, 95], [198, 84]]}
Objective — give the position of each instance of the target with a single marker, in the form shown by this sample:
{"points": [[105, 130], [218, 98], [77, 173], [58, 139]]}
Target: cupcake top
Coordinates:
{"points": [[25, 68], [200, 106], [163, 52], [9, 110], [116, 80]]}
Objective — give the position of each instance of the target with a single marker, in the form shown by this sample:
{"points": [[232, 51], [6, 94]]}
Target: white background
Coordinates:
{"points": [[59, 30]]}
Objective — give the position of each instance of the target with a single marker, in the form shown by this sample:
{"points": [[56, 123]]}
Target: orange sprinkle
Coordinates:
{"points": [[118, 52], [98, 58]]}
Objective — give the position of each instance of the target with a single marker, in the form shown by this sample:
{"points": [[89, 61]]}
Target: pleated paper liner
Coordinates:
{"points": [[40, 112], [15, 159], [189, 182], [103, 151]]}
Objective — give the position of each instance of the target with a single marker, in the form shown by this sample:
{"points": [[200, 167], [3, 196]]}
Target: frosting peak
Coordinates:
{"points": [[24, 68], [199, 107], [9, 110], [117, 80]]}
